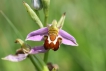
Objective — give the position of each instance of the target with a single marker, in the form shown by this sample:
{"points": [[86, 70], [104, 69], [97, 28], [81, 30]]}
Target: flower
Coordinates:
{"points": [[53, 36], [24, 51]]}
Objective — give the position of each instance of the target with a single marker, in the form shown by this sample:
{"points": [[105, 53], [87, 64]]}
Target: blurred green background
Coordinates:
{"points": [[85, 20]]}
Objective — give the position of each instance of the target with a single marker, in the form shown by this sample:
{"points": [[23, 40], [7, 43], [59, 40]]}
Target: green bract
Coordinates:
{"points": [[33, 15]]}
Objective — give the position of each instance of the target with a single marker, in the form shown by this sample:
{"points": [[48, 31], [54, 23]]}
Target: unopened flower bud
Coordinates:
{"points": [[46, 6], [37, 4], [52, 67]]}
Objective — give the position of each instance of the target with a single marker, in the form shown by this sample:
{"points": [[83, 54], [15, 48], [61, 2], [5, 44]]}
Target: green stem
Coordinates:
{"points": [[42, 63], [46, 55], [46, 14], [35, 63], [45, 20], [46, 4]]}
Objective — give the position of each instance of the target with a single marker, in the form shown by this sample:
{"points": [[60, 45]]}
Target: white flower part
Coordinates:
{"points": [[54, 40]]}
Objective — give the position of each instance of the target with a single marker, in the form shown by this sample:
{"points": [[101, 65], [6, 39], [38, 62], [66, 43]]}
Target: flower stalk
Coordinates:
{"points": [[42, 64], [46, 55], [46, 4], [35, 63]]}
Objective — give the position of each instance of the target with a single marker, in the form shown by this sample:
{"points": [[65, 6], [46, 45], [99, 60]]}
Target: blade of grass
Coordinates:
{"points": [[12, 25]]}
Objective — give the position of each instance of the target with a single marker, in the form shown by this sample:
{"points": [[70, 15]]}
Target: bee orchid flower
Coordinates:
{"points": [[24, 51], [53, 36]]}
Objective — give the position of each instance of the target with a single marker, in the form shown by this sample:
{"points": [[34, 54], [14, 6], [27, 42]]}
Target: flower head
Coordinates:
{"points": [[53, 36], [24, 51]]}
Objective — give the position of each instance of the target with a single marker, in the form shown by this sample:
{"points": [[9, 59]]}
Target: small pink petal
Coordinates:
{"points": [[37, 35], [37, 49], [15, 58], [67, 38]]}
